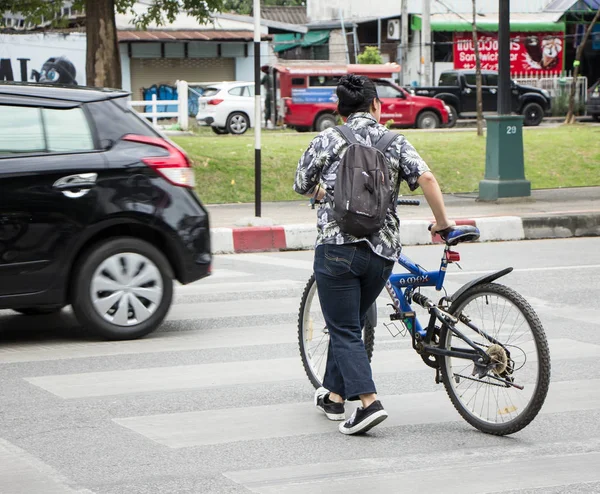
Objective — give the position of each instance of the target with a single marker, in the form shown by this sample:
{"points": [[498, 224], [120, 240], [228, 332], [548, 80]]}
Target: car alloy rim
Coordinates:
{"points": [[238, 124], [126, 289], [428, 123]]}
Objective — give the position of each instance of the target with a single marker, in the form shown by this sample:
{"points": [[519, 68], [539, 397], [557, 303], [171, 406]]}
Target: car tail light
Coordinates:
{"points": [[215, 101], [175, 167]]}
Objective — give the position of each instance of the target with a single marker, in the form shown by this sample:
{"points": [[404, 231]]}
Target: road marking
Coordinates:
{"points": [[526, 270], [385, 475], [201, 288], [190, 429], [131, 381], [157, 342], [22, 473], [273, 261]]}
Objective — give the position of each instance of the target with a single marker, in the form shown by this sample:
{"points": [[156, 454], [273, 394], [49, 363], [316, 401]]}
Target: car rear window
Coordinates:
{"points": [[448, 79], [210, 91], [114, 118]]}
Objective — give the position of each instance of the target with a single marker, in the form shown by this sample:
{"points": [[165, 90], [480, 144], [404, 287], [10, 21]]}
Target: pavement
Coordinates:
{"points": [[547, 213]]}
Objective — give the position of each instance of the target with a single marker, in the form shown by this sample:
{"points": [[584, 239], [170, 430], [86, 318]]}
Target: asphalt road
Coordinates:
{"points": [[217, 400]]}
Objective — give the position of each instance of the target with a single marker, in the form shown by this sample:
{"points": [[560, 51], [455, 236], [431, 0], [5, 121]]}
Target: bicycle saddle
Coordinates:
{"points": [[460, 233]]}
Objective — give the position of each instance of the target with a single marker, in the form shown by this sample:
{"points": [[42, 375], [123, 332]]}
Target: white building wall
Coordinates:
{"points": [[319, 10], [244, 66], [125, 68]]}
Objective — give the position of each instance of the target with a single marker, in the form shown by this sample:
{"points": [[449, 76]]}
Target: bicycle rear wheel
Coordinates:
{"points": [[313, 335], [520, 353]]}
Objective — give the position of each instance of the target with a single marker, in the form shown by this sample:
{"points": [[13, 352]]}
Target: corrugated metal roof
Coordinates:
{"points": [[196, 35], [572, 5], [288, 15]]}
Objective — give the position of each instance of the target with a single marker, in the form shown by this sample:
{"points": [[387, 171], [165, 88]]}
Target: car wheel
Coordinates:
{"points": [[237, 123], [220, 130], [453, 117], [122, 289], [39, 311], [428, 120], [324, 122], [533, 114]]}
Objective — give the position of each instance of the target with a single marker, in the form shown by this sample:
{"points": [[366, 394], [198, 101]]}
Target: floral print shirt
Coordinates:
{"points": [[319, 164]]}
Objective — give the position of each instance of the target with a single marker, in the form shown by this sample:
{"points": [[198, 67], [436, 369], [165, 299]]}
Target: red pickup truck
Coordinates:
{"points": [[305, 96]]}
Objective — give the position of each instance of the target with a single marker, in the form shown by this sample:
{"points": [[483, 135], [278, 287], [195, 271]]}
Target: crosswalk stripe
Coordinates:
{"points": [[386, 475], [189, 429], [156, 343], [218, 274], [30, 475], [236, 308], [273, 261], [107, 383], [200, 288]]}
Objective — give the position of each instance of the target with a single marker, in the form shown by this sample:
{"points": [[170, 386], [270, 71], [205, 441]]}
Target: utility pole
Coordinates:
{"points": [[404, 43], [504, 163], [426, 42], [257, 111]]}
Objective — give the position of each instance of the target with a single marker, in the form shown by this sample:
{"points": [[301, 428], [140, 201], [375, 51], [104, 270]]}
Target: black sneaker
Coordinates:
{"points": [[364, 419], [333, 411]]}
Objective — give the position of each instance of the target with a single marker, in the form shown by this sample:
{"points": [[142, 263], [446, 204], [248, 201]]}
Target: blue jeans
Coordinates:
{"points": [[349, 279]]}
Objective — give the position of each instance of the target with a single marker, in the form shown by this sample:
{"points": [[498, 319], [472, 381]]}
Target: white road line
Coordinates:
{"points": [[107, 383], [22, 473], [156, 343], [526, 270], [200, 288], [385, 475], [189, 429], [285, 262]]}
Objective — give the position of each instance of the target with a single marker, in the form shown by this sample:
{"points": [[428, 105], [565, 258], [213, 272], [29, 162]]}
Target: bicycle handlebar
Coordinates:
{"points": [[408, 202]]}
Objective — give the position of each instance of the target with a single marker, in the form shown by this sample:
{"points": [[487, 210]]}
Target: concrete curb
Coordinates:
{"points": [[412, 232]]}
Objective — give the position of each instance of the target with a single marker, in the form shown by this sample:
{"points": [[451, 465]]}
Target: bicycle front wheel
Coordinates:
{"points": [[313, 335], [511, 333]]}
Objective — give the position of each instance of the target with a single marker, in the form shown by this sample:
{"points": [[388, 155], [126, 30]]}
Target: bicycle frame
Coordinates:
{"points": [[401, 285]]}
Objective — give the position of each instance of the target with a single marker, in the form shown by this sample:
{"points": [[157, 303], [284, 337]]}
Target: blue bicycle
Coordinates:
{"points": [[485, 342]]}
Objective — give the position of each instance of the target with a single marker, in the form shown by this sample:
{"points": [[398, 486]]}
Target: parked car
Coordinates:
{"points": [[228, 107], [457, 88], [307, 96], [592, 105], [97, 210]]}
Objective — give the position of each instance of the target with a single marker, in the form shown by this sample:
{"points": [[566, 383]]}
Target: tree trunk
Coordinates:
{"points": [[477, 73], [103, 61], [571, 113]]}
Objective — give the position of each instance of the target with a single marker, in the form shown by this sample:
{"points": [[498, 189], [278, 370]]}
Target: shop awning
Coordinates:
{"points": [[538, 22], [287, 41]]}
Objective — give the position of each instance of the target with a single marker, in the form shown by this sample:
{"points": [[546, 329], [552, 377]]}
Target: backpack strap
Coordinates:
{"points": [[385, 141], [382, 145], [347, 134]]}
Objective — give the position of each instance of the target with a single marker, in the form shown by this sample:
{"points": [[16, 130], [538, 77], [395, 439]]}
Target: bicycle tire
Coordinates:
{"points": [[310, 309], [494, 296]]}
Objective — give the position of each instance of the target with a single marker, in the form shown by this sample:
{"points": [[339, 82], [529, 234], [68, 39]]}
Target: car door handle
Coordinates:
{"points": [[75, 186]]}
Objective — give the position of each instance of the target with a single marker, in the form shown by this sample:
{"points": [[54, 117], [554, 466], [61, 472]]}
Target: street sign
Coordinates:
{"points": [[314, 95]]}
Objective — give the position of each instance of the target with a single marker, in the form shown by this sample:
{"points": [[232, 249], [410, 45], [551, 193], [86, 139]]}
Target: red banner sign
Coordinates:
{"points": [[529, 52]]}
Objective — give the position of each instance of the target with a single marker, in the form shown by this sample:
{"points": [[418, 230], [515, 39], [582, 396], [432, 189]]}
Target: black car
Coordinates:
{"points": [[97, 210], [592, 105], [457, 88]]}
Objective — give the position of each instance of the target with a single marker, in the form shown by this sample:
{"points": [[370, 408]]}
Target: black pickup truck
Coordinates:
{"points": [[457, 88]]}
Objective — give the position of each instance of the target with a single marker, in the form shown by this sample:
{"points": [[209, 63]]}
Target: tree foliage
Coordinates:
{"points": [[160, 11], [245, 7], [371, 55], [103, 61]]}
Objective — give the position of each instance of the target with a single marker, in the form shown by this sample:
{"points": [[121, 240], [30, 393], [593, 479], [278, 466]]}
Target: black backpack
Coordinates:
{"points": [[362, 191]]}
